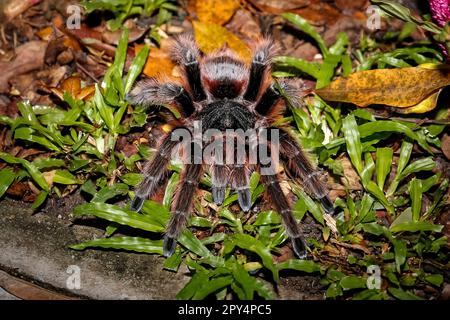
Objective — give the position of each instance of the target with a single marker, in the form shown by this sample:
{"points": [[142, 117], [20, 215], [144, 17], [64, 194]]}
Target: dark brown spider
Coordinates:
{"points": [[224, 93]]}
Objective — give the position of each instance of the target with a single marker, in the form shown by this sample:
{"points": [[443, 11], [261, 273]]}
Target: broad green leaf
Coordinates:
{"points": [[212, 286], [170, 189], [366, 206], [64, 177], [89, 187], [110, 192], [303, 25], [370, 128], [267, 218], [400, 251], [121, 52], [45, 163], [29, 167], [437, 197], [379, 194], [403, 295], [200, 222], [40, 199], [307, 67], [352, 282], [105, 111], [415, 192], [243, 280], [333, 291], [405, 154], [383, 165], [136, 67], [327, 69], [352, 140], [27, 134], [190, 289], [111, 229], [299, 265], [416, 226], [119, 215], [404, 217], [173, 262], [264, 290], [216, 237], [131, 179], [249, 243], [7, 177], [312, 206], [435, 279], [425, 164], [124, 243], [369, 169], [188, 240]]}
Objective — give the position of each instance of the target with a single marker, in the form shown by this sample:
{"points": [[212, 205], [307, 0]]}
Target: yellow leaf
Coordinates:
{"points": [[400, 88], [216, 11], [159, 61], [45, 33], [86, 93], [211, 37], [424, 106], [72, 85]]}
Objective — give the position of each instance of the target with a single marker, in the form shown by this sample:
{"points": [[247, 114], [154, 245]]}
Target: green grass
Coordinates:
{"points": [[384, 224], [124, 9]]}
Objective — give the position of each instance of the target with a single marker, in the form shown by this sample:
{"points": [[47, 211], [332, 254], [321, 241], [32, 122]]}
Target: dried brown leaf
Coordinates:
{"points": [[216, 11], [401, 88]]}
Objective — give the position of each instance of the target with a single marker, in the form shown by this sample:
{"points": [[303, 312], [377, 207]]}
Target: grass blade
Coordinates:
{"points": [[7, 177], [415, 191], [299, 265], [119, 215], [29, 167], [249, 243], [303, 25], [383, 165], [136, 67], [124, 243], [353, 142]]}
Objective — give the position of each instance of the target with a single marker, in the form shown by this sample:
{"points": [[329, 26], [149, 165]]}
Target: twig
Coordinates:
{"points": [[351, 246], [90, 75]]}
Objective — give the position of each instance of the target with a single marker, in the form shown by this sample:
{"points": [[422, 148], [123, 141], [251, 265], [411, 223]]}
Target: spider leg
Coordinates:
{"points": [[219, 177], [239, 179], [181, 206], [282, 206], [150, 92], [299, 167], [269, 102], [259, 69], [153, 172], [186, 53]]}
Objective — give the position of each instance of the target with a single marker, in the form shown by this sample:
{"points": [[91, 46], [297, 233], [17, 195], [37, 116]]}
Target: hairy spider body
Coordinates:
{"points": [[224, 93]]}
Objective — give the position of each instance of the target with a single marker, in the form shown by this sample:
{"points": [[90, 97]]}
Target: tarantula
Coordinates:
{"points": [[223, 92]]}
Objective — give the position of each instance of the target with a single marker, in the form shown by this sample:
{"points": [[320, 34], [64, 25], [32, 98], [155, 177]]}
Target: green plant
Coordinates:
{"points": [[123, 9]]}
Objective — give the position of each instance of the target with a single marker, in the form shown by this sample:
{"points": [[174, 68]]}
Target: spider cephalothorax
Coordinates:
{"points": [[221, 92]]}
